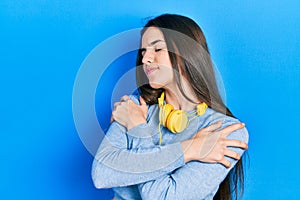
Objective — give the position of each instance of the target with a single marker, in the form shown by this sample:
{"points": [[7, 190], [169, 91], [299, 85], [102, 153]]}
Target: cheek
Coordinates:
{"points": [[165, 59], [167, 73]]}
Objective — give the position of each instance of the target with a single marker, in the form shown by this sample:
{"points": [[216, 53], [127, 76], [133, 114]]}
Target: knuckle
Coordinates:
{"points": [[219, 157], [222, 141]]}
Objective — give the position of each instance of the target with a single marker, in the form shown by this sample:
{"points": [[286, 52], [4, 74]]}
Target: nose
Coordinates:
{"points": [[148, 57]]}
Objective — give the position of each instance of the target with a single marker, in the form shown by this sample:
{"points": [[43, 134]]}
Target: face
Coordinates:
{"points": [[156, 61]]}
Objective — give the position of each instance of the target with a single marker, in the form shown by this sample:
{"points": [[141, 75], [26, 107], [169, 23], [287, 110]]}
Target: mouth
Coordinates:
{"points": [[150, 70]]}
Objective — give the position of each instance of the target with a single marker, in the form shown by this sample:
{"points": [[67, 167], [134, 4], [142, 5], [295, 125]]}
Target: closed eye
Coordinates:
{"points": [[142, 50]]}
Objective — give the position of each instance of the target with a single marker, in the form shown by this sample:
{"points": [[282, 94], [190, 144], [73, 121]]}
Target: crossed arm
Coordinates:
{"points": [[167, 169], [195, 180]]}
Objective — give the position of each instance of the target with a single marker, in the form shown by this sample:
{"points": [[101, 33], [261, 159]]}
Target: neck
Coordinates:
{"points": [[176, 98]]}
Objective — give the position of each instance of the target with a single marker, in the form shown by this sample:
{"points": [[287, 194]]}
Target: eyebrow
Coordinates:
{"points": [[154, 42]]}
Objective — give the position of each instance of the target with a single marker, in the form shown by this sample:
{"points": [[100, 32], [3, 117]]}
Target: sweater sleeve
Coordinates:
{"points": [[195, 180], [116, 165]]}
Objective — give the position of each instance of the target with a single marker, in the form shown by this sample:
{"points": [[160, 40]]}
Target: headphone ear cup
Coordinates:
{"points": [[164, 113], [177, 121]]}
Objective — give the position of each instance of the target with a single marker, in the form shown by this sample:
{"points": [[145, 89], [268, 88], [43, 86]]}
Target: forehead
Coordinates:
{"points": [[150, 35]]}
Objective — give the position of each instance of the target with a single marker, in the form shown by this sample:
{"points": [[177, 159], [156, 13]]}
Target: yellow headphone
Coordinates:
{"points": [[176, 120]]}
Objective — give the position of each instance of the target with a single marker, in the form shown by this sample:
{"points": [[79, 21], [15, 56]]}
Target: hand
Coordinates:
{"points": [[128, 113], [210, 145]]}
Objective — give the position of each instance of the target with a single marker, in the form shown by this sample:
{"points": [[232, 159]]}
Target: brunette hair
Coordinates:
{"points": [[194, 62]]}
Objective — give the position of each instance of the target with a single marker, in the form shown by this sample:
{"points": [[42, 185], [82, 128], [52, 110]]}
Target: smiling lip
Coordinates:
{"points": [[148, 71]]}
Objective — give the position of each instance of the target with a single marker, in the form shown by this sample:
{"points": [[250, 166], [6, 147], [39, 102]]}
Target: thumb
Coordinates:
{"points": [[213, 127], [142, 101], [143, 106], [111, 119]]}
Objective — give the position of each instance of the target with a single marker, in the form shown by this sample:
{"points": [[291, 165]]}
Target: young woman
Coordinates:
{"points": [[166, 143]]}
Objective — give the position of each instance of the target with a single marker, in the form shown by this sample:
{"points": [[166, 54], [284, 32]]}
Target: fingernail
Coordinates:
{"points": [[243, 124]]}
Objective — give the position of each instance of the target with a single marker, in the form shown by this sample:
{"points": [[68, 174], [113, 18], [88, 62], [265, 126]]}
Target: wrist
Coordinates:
{"points": [[132, 125], [187, 152]]}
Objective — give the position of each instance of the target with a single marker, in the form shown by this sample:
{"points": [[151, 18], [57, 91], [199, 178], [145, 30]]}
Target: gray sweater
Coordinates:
{"points": [[136, 167]]}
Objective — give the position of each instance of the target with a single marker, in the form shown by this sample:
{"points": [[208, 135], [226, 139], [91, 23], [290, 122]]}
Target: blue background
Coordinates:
{"points": [[255, 44]]}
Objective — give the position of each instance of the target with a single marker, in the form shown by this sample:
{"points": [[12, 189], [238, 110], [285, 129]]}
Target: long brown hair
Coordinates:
{"points": [[193, 60]]}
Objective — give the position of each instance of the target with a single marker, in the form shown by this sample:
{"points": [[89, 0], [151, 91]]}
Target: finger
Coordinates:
{"points": [[122, 103], [111, 119], [236, 143], [232, 154], [116, 104], [125, 98], [225, 162], [112, 116], [142, 101], [213, 127], [231, 128]]}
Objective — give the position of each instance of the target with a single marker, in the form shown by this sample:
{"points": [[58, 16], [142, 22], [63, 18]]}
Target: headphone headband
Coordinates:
{"points": [[161, 99]]}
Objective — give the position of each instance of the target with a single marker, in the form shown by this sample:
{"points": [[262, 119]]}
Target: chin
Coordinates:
{"points": [[155, 85]]}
